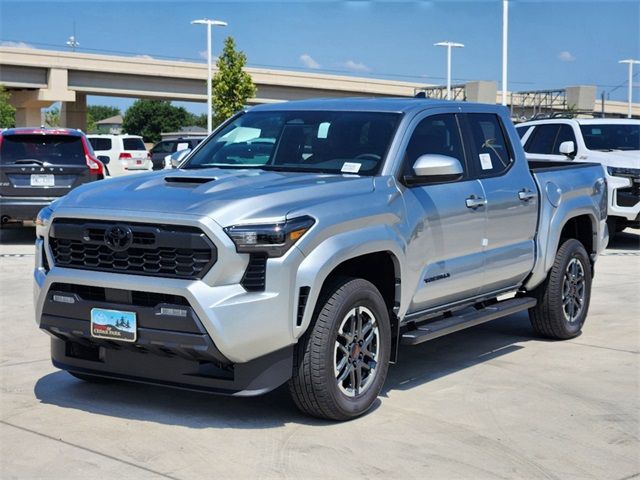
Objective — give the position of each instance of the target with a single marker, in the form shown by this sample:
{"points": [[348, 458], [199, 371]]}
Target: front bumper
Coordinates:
{"points": [[247, 379], [20, 209], [248, 335], [624, 198]]}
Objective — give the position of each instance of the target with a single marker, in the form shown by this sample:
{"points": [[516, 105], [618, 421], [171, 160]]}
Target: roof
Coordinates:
{"points": [[582, 121], [43, 131], [395, 105], [112, 135], [116, 119]]}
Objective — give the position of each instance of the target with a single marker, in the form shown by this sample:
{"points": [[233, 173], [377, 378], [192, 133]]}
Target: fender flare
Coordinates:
{"points": [[335, 250]]}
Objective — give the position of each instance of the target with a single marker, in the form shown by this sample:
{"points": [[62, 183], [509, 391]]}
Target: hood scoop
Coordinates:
{"points": [[189, 180]]}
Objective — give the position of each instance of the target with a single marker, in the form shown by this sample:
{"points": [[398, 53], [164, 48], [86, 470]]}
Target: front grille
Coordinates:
{"points": [[629, 196], [155, 250], [133, 297]]}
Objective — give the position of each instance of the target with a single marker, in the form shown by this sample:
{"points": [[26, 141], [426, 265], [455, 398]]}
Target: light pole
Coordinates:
{"points": [[209, 24], [449, 46], [630, 94], [505, 38]]}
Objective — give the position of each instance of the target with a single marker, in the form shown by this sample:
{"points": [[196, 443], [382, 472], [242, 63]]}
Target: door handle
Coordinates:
{"points": [[475, 202], [526, 195]]}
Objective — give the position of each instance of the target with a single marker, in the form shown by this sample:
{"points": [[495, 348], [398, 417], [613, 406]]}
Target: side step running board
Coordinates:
{"points": [[445, 326]]}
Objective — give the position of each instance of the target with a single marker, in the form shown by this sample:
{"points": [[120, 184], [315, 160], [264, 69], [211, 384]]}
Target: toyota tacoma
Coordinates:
{"points": [[303, 242]]}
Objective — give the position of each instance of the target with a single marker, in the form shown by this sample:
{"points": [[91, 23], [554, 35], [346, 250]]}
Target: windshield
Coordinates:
{"points": [[37, 148], [612, 136], [306, 141]]}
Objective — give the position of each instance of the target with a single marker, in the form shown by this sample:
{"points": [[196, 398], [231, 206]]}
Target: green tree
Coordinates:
{"points": [[198, 120], [7, 112], [231, 86], [95, 113], [151, 117], [52, 117]]}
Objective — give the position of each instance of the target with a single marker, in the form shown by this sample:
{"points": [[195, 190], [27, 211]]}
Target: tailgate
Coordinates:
{"points": [[36, 165]]}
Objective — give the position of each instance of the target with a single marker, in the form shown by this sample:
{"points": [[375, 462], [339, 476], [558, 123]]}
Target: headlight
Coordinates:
{"points": [[274, 239], [44, 216], [624, 172]]}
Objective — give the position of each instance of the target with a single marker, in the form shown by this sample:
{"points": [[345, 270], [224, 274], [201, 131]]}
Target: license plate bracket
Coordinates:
{"points": [[114, 325]]}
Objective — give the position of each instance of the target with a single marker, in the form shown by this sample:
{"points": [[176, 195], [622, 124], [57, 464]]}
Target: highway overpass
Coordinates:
{"points": [[38, 78]]}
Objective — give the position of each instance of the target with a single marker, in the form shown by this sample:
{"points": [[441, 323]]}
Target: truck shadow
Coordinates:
{"points": [[629, 239], [418, 365], [17, 235]]}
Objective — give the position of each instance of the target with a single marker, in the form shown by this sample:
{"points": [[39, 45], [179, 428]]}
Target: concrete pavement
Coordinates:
{"points": [[490, 402]]}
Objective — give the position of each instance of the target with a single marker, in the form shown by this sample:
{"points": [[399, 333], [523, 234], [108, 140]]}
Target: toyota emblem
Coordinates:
{"points": [[118, 238]]}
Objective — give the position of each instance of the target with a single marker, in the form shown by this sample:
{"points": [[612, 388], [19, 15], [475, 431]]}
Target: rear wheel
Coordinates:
{"points": [[563, 299], [341, 362]]}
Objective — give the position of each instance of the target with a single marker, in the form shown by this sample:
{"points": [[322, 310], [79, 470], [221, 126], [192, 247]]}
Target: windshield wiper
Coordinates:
{"points": [[31, 161]]}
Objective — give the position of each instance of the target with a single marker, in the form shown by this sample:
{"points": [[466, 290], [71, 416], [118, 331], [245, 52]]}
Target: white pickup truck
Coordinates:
{"points": [[614, 143]]}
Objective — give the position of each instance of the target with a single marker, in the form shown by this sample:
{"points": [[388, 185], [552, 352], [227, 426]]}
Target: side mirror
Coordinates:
{"points": [[568, 149], [435, 168], [177, 157], [104, 159]]}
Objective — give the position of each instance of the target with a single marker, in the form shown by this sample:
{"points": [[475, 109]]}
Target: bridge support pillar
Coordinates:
{"points": [[74, 114], [28, 105], [28, 116]]}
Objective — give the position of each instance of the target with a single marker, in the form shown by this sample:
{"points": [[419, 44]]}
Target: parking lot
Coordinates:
{"points": [[489, 402]]}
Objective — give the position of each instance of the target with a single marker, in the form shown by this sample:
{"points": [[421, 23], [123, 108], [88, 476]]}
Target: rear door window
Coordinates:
{"points": [[542, 139], [100, 144], [490, 152], [51, 149], [133, 144]]}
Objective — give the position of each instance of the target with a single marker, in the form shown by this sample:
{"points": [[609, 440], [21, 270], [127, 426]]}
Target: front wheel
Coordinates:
{"points": [[563, 298], [341, 362]]}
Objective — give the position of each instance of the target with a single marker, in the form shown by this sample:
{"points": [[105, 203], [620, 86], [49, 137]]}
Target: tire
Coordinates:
{"points": [[568, 281], [314, 385], [89, 378]]}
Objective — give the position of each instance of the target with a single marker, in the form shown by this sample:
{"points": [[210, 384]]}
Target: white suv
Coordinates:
{"points": [[615, 143], [127, 153]]}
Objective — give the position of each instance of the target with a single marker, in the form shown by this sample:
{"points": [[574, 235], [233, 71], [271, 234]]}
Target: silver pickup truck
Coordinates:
{"points": [[303, 242]]}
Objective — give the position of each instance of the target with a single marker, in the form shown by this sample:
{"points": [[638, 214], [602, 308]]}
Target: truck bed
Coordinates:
{"points": [[549, 165], [562, 195]]}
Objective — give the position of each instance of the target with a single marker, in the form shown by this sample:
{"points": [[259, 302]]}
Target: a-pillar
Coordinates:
{"points": [[74, 114]]}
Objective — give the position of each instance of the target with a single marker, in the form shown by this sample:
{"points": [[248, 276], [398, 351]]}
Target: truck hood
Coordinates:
{"points": [[620, 158], [227, 196]]}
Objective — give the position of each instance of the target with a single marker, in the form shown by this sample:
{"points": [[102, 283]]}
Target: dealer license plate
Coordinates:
{"points": [[41, 180], [113, 324]]}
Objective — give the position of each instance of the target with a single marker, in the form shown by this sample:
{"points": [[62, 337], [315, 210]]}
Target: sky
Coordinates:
{"points": [[552, 44]]}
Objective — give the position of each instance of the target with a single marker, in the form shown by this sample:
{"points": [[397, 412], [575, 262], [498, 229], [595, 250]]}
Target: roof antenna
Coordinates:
{"points": [[422, 94]]}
